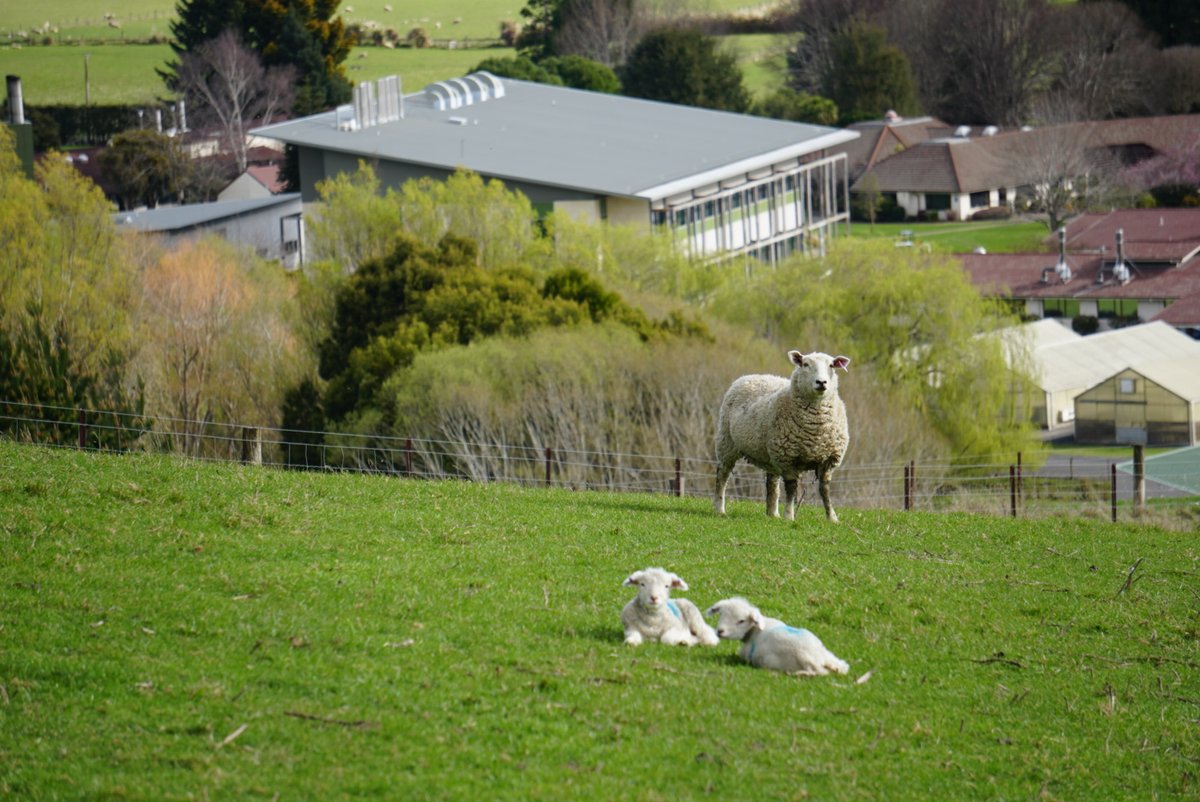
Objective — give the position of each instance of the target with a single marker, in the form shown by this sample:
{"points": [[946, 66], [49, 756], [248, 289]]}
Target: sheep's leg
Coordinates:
{"points": [[824, 474], [633, 637], [724, 468], [791, 490], [773, 495]]}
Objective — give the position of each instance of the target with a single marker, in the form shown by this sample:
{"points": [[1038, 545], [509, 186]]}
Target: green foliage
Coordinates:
{"points": [[521, 68], [869, 77], [541, 19], [786, 103], [578, 72], [913, 318], [146, 168], [684, 66], [238, 632], [303, 424], [43, 385], [302, 33]]}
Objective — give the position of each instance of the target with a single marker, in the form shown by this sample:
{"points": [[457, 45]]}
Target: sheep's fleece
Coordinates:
{"points": [[785, 427], [770, 643], [652, 614]]}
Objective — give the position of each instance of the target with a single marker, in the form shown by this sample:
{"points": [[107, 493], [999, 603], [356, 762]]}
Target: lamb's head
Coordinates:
{"points": [[814, 374], [654, 586], [736, 618]]}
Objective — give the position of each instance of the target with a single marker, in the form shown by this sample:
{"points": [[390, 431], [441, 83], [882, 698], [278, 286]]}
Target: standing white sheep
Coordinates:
{"points": [[770, 643], [653, 615], [785, 427]]}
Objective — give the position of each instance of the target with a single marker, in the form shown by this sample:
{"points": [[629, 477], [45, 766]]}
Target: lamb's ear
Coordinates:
{"points": [[755, 618], [633, 578], [714, 610], [842, 362], [796, 357], [677, 582]]}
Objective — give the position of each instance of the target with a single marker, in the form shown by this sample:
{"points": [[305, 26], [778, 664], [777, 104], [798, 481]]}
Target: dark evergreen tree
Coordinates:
{"points": [[685, 67], [542, 19], [1177, 22], [303, 426], [869, 76], [303, 33]]}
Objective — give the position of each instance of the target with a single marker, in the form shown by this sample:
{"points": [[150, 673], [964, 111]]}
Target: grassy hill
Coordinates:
{"points": [[174, 629]]}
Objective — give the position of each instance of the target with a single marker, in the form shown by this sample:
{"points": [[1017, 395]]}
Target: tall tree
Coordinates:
{"points": [[542, 20], [146, 168], [1177, 22], [869, 76], [685, 66], [229, 87], [602, 30], [303, 33]]}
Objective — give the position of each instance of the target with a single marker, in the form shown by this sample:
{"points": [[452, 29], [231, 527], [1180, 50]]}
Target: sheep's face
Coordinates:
{"points": [[736, 618], [654, 585], [814, 373]]}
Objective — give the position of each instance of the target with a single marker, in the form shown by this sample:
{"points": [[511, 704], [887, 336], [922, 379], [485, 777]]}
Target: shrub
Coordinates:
{"points": [[993, 213], [1085, 324]]}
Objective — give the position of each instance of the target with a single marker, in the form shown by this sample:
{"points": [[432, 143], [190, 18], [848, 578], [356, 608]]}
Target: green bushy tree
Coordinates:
{"points": [[686, 67]]}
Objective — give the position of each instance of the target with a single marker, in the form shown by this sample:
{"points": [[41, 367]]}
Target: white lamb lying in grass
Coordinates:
{"points": [[654, 616], [770, 643]]}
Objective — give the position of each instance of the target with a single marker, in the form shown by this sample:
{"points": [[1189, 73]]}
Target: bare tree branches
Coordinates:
{"points": [[230, 89]]}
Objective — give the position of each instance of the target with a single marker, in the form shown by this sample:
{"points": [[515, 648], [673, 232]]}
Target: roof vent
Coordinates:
{"points": [[991, 130], [891, 116], [1062, 268], [478, 87], [962, 131]]}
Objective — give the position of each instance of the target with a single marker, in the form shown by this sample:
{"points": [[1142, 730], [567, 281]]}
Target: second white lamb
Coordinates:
{"points": [[770, 643]]}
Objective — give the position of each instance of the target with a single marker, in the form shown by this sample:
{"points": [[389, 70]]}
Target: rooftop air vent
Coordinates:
{"points": [[991, 130], [962, 131]]}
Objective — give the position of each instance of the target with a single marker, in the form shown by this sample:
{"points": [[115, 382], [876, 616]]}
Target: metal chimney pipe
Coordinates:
{"points": [[158, 120], [1120, 246], [183, 117], [16, 103]]}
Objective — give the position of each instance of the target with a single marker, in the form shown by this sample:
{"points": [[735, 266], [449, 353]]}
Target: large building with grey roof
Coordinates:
{"points": [[721, 183]]}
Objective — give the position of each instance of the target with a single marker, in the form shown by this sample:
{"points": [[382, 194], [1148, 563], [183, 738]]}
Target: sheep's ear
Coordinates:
{"points": [[842, 362], [714, 610], [796, 357], [633, 578], [677, 582], [755, 618]]}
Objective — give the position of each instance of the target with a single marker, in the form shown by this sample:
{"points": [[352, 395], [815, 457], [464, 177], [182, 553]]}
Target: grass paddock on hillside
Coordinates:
{"points": [[172, 629]]}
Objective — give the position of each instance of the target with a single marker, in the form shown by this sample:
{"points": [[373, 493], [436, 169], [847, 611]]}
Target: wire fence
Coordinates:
{"points": [[1099, 488]]}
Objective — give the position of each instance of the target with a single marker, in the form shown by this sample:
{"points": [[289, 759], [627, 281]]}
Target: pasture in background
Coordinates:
{"points": [[173, 628]]}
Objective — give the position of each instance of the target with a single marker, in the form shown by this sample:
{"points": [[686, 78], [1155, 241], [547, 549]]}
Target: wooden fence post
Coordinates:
{"points": [[251, 446], [408, 457], [1012, 489], [678, 478], [1139, 477], [549, 457], [83, 429], [1113, 489], [907, 488]]}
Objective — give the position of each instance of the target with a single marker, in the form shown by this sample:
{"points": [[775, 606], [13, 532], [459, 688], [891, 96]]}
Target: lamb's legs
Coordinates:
{"points": [[823, 476], [772, 495], [791, 490]]}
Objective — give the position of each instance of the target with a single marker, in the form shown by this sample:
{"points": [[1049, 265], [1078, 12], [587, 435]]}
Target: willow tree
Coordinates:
{"points": [[913, 319]]}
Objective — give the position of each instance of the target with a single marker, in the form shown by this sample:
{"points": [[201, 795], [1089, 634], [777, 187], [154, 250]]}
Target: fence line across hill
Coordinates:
{"points": [[1075, 486]]}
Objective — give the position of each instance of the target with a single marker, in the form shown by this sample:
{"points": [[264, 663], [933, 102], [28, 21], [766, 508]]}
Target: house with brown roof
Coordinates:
{"points": [[953, 175], [1128, 266]]}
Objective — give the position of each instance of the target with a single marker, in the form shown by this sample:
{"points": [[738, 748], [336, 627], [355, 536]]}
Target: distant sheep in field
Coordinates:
{"points": [[785, 427], [770, 643], [653, 615]]}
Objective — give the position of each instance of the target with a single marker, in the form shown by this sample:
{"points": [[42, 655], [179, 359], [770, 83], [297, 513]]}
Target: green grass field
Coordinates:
{"points": [[177, 630], [997, 236]]}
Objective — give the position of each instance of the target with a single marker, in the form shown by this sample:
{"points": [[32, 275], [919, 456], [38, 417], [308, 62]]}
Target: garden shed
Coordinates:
{"points": [[1156, 404]]}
